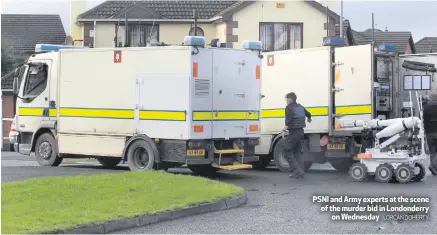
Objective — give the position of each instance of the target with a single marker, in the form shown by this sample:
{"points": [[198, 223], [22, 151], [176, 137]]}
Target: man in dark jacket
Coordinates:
{"points": [[294, 124], [430, 125]]}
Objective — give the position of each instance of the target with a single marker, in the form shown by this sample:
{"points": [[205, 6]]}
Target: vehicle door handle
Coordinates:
{"points": [[239, 127], [242, 95]]}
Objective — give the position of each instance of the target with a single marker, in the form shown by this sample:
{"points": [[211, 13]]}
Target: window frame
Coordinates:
{"points": [[289, 24], [144, 36]]}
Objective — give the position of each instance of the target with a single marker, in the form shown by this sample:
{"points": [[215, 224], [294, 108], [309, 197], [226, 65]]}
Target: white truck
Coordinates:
{"points": [[333, 83], [154, 107]]}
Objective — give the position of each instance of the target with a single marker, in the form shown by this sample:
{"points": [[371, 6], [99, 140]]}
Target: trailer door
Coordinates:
{"points": [[353, 82]]}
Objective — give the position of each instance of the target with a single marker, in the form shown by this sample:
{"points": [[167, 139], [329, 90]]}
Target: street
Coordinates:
{"points": [[276, 204]]}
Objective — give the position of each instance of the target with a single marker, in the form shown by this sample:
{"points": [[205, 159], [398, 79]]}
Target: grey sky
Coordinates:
{"points": [[416, 16]]}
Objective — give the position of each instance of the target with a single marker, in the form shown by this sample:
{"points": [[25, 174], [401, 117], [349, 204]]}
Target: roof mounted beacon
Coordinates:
{"points": [[194, 41]]}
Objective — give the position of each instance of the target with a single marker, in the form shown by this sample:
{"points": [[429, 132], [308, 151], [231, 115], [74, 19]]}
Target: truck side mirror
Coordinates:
{"points": [[15, 86]]}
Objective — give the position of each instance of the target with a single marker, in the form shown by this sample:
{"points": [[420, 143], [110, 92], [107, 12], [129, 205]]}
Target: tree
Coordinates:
{"points": [[7, 63]]}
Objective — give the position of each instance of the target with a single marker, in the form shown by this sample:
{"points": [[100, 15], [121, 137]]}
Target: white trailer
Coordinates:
{"points": [[333, 83], [154, 107]]}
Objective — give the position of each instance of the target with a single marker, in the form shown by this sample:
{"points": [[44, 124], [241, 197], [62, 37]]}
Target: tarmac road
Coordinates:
{"points": [[276, 204]]}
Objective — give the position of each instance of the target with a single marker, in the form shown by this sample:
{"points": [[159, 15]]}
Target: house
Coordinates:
{"points": [[279, 25], [426, 45], [20, 34], [402, 40]]}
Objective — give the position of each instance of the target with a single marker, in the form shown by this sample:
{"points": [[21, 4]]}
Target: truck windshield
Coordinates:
{"points": [[36, 81]]}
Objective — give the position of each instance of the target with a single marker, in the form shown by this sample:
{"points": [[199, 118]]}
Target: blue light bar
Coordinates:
{"points": [[194, 41], [52, 47], [252, 45], [333, 41], [388, 48]]}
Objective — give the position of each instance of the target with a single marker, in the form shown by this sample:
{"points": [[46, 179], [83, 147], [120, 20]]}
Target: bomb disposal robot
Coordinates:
{"points": [[398, 149]]}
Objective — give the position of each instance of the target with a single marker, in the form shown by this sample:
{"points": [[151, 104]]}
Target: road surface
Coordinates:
{"points": [[276, 204]]}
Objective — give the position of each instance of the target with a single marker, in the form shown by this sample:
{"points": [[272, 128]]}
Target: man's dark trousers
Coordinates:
{"points": [[292, 150], [432, 145]]}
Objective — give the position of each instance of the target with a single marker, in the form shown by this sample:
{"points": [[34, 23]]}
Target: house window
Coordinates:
{"points": [[142, 34], [199, 32], [281, 36]]}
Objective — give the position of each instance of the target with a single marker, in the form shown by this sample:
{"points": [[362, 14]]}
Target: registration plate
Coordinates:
{"points": [[196, 152], [337, 146]]}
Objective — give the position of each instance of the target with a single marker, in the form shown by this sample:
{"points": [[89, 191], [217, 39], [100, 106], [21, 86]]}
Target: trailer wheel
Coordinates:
{"points": [[46, 152], [384, 173], [203, 169], [422, 172], [404, 173], [341, 164], [140, 156], [109, 162], [262, 163], [358, 171]]}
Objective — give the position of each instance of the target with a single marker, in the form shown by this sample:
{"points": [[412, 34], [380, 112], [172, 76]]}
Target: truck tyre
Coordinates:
{"points": [[109, 162], [140, 156], [281, 162], [46, 152], [264, 161], [278, 156], [203, 169], [341, 164]]}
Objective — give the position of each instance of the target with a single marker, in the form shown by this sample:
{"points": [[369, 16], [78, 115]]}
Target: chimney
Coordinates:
{"points": [[77, 7], [386, 29]]}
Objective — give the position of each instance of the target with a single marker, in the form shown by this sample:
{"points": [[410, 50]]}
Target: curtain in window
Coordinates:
{"points": [[281, 37], [266, 36], [141, 35], [295, 36]]}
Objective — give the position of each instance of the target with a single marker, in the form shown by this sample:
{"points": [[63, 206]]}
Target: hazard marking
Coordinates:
{"points": [[117, 56], [270, 60]]}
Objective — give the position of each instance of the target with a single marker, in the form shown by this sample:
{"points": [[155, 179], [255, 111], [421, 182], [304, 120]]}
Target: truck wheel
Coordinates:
{"points": [[278, 156], [140, 156], [341, 164], [264, 161], [203, 169], [358, 171], [384, 173], [46, 152], [422, 172], [404, 173], [109, 162]]}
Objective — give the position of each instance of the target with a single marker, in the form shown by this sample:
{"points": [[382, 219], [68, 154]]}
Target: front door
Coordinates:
{"points": [[33, 100]]}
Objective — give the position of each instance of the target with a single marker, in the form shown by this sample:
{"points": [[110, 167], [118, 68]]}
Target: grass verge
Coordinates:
{"points": [[52, 203]]}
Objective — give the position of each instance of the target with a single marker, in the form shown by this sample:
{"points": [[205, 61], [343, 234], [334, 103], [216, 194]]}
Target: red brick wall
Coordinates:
{"points": [[8, 112]]}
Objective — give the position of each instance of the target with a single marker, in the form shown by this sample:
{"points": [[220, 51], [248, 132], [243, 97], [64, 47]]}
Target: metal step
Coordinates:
{"points": [[236, 166], [229, 151]]}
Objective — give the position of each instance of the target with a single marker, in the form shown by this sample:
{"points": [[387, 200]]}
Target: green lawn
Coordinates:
{"points": [[47, 204]]}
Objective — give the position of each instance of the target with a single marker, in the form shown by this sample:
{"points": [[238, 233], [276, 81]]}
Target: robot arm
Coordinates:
{"points": [[393, 127]]}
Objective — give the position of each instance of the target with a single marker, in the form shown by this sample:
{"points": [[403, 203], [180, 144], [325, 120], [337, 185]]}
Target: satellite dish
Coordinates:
{"points": [[69, 41]]}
